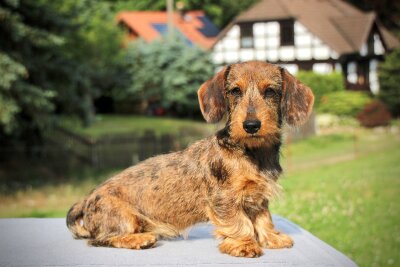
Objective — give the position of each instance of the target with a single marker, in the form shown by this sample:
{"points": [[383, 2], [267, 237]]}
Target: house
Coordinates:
{"points": [[318, 35], [192, 26]]}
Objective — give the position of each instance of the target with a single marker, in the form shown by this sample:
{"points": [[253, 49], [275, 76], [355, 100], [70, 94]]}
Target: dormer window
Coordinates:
{"points": [[246, 35], [287, 32]]}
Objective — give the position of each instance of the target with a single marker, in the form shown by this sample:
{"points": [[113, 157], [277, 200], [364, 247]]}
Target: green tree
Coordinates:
{"points": [[123, 5], [29, 64], [168, 72], [389, 80], [95, 47], [56, 56], [388, 11]]}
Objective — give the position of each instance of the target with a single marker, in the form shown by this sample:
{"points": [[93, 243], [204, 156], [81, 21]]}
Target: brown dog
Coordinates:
{"points": [[227, 179]]}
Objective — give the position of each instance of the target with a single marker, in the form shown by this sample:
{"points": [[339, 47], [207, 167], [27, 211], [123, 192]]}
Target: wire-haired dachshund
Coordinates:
{"points": [[227, 179]]}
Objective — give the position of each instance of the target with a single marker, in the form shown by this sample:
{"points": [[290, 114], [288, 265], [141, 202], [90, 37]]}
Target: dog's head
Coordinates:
{"points": [[257, 96]]}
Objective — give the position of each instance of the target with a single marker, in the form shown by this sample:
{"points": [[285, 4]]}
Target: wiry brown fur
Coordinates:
{"points": [[227, 179]]}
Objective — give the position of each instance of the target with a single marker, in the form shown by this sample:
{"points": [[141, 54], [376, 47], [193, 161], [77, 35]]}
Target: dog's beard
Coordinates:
{"points": [[255, 141]]}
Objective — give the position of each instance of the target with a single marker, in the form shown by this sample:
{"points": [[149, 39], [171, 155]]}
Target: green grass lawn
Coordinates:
{"points": [[347, 193], [352, 204], [119, 124]]}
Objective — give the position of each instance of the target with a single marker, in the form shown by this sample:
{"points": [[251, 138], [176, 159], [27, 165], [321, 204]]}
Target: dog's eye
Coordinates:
{"points": [[269, 92], [236, 91]]}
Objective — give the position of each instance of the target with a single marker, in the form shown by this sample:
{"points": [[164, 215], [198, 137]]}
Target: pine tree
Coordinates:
{"points": [[55, 57], [29, 60], [389, 80]]}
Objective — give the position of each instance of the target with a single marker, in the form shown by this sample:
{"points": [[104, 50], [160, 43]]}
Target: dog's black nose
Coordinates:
{"points": [[251, 126]]}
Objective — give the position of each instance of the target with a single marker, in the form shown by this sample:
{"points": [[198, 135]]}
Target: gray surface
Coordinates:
{"points": [[47, 242]]}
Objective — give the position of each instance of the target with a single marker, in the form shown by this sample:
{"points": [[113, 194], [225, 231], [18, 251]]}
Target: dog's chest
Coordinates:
{"points": [[254, 186]]}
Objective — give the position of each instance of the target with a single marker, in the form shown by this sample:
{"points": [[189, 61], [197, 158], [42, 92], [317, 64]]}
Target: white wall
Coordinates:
{"points": [[378, 46], [373, 76], [267, 45], [292, 68], [322, 68]]}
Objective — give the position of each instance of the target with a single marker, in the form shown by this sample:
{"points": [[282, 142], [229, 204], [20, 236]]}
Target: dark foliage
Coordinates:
{"points": [[374, 114], [31, 65], [388, 11], [389, 80], [55, 57]]}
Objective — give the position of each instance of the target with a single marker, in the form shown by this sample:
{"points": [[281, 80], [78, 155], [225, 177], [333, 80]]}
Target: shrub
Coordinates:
{"points": [[389, 80], [374, 114], [343, 103], [166, 74], [322, 84]]}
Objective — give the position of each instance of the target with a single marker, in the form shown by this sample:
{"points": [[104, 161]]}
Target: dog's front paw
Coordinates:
{"points": [[275, 240], [239, 248]]}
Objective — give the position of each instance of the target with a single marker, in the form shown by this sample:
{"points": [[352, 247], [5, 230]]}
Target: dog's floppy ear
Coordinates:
{"points": [[297, 100], [211, 97]]}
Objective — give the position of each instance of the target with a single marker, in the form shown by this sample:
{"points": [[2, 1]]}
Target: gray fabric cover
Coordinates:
{"points": [[47, 242]]}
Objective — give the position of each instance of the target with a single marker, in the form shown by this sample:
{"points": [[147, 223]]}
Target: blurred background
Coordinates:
{"points": [[88, 88]]}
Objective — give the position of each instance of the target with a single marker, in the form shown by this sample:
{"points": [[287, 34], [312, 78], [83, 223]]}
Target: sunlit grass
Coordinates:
{"points": [[353, 204]]}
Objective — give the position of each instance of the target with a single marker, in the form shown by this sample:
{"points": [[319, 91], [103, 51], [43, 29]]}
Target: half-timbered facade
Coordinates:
{"points": [[318, 35]]}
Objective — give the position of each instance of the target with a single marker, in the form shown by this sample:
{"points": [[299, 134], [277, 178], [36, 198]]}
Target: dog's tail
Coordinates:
{"points": [[75, 222]]}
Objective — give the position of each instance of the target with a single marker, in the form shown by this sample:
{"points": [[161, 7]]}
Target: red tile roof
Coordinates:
{"points": [[191, 25]]}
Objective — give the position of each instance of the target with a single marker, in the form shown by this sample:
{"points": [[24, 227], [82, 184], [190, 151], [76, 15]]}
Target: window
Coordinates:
{"points": [[287, 32], [246, 36], [162, 29], [352, 72]]}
